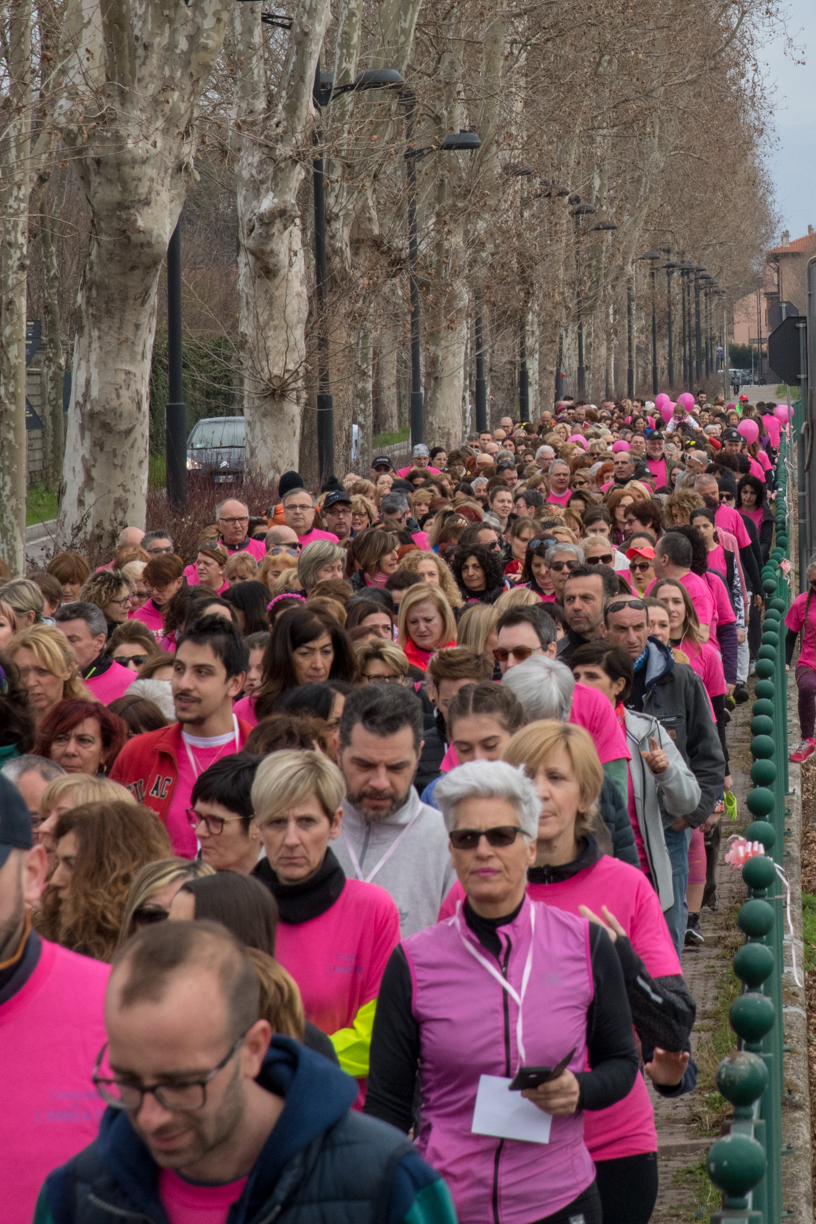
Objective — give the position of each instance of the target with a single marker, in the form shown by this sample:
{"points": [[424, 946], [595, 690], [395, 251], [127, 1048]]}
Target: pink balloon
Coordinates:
{"points": [[661, 400], [781, 413], [667, 411], [686, 399], [579, 438], [749, 430], [620, 445]]}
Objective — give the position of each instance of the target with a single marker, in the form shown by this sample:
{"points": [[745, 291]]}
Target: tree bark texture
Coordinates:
{"points": [[14, 192], [128, 121], [271, 154]]}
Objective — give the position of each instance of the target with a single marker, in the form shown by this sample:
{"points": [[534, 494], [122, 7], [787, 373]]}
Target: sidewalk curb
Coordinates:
{"points": [[797, 1180]]}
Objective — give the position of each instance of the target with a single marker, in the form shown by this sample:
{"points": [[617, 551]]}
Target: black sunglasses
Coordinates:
{"points": [[636, 604], [604, 559], [499, 835]]}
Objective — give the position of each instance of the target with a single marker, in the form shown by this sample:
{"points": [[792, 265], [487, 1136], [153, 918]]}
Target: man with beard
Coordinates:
{"points": [[389, 837]]}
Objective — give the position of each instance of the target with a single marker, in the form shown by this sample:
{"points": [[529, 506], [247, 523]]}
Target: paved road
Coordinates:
{"points": [[40, 543]]}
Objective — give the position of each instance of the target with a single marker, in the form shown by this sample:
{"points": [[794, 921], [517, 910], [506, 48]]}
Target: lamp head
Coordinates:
{"points": [[460, 142], [378, 78]]}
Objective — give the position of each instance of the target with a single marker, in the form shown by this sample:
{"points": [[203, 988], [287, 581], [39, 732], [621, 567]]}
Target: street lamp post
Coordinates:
{"points": [[481, 384], [685, 269], [175, 437], [698, 346], [322, 94], [670, 268], [557, 191], [652, 256], [579, 210], [464, 142]]}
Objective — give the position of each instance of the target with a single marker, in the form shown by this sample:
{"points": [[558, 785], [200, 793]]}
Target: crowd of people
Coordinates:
{"points": [[395, 803]]}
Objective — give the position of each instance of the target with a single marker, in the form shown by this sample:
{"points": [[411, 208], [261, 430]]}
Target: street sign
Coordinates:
{"points": [[33, 339], [783, 350], [780, 311]]}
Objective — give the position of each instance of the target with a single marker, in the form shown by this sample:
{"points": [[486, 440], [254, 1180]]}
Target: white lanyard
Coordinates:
{"points": [[517, 998], [355, 862], [194, 763]]}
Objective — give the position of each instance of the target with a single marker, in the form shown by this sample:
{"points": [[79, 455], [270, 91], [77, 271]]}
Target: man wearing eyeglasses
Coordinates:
{"points": [[211, 1116], [299, 513], [232, 520], [51, 1014], [157, 544]]}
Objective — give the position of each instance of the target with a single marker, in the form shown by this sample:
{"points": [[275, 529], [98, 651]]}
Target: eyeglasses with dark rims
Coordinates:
{"points": [[180, 1096], [500, 836]]}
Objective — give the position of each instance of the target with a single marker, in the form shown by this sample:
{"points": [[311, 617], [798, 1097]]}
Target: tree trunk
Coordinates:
{"points": [[14, 265], [272, 284], [129, 121], [445, 366], [363, 394], [53, 360]]}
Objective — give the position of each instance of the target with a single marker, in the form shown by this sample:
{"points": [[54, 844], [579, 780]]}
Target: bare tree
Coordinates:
{"points": [[127, 115]]}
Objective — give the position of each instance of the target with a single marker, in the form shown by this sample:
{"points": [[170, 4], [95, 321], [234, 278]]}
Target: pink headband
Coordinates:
{"points": [[286, 595]]}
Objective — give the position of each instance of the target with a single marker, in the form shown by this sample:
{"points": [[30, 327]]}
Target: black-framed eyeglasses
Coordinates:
{"points": [[124, 1094], [637, 605], [640, 567], [215, 824], [558, 566], [604, 559], [137, 660], [499, 835]]}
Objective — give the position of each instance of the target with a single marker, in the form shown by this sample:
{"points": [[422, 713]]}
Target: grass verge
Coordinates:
{"points": [[390, 439], [41, 505], [809, 929], [713, 1107], [696, 1182], [156, 472]]}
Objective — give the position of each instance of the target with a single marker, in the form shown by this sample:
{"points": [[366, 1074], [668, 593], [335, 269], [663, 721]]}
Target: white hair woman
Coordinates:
{"points": [[462, 1007], [335, 935], [572, 874]]}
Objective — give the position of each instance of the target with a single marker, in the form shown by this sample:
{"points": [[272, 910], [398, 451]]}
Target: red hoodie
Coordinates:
{"points": [[148, 766]]}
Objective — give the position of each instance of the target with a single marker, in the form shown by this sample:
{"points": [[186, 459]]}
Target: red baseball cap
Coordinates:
{"points": [[647, 553]]}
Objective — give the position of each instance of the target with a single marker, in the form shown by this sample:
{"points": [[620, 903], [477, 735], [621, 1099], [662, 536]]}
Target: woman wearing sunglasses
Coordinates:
{"points": [[535, 574], [153, 888], [131, 645], [506, 983], [571, 872]]}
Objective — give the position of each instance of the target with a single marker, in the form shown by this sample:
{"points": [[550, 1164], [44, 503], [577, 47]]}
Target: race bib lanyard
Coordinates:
{"points": [[518, 998], [194, 764], [355, 862]]}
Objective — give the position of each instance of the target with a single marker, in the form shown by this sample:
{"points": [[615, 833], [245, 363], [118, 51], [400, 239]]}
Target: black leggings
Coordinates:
{"points": [[586, 1209], [628, 1188]]}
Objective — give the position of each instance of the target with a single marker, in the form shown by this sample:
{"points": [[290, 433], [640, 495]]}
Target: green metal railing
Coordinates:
{"points": [[746, 1164]]}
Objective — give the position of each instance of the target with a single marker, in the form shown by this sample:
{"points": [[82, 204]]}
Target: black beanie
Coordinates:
{"points": [[289, 481]]}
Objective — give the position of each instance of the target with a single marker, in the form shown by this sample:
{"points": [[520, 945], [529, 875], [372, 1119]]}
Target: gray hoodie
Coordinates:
{"points": [[417, 874], [659, 798]]}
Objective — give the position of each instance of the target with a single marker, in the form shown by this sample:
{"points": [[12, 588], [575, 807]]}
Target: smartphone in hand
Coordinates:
{"points": [[534, 1077]]}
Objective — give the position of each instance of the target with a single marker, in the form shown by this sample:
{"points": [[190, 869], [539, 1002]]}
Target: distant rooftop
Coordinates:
{"points": [[799, 246]]}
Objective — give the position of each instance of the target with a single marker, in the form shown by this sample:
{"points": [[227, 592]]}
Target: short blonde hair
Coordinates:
{"points": [[83, 789], [314, 557], [535, 744], [23, 596], [517, 597], [476, 626], [362, 505], [53, 653], [285, 779], [281, 562], [241, 565], [426, 592], [382, 649], [639, 491]]}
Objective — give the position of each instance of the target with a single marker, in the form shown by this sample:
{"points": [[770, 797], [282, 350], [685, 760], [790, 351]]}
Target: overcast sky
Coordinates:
{"points": [[793, 161]]}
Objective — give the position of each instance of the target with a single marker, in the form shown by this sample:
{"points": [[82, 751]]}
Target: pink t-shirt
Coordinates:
{"points": [[316, 534], [658, 469], [723, 608], [756, 469], [198, 756], [763, 461], [795, 620], [245, 709], [627, 1128], [422, 540], [192, 579], [50, 1034], [186, 1203], [700, 595], [403, 472], [149, 615], [771, 424], [706, 660], [338, 958], [590, 709], [635, 823], [756, 517], [716, 560], [111, 684], [560, 499], [731, 520]]}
